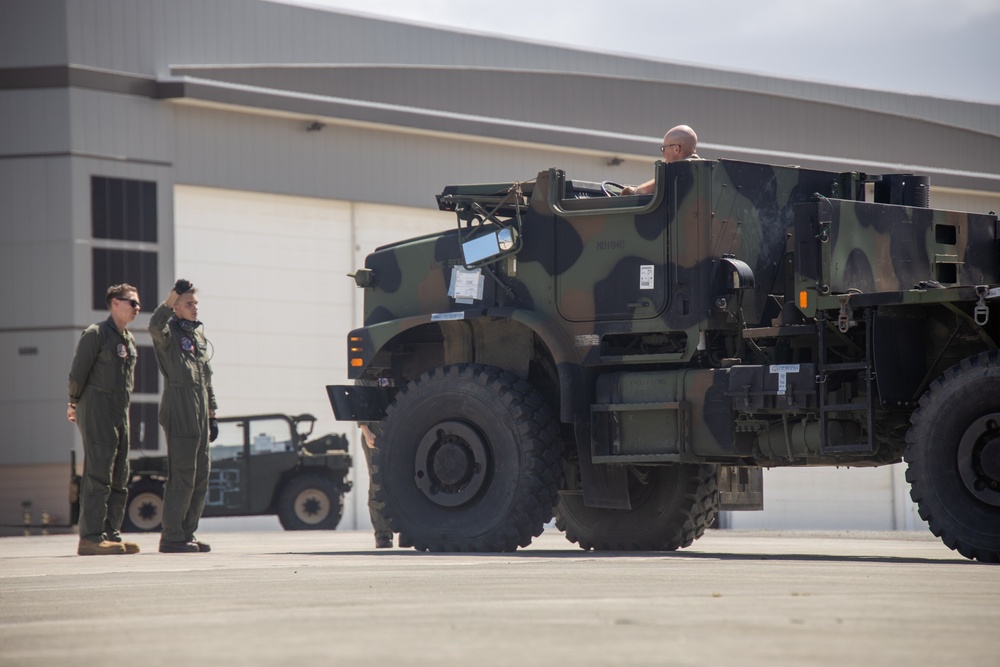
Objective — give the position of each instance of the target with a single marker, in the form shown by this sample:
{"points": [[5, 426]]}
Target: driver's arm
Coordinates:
{"points": [[644, 189]]}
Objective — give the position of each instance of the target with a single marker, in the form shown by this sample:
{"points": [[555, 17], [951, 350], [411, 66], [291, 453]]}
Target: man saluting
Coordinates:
{"points": [[187, 415]]}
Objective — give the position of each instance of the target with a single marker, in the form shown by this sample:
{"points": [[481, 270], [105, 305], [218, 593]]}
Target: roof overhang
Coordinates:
{"points": [[311, 107]]}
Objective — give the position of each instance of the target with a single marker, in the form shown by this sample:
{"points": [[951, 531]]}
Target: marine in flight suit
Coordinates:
{"points": [[100, 390], [187, 415]]}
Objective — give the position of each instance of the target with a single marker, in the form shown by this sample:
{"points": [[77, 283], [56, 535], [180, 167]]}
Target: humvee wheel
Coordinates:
{"points": [[310, 502], [144, 507], [671, 507], [468, 460], [953, 457]]}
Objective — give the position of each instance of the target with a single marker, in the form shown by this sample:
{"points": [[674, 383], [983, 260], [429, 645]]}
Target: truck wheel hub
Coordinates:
{"points": [[451, 463], [979, 459]]}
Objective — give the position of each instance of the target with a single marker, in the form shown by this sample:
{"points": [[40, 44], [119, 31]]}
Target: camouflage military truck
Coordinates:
{"points": [[630, 363]]}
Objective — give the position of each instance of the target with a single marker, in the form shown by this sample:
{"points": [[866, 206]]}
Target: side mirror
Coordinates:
{"points": [[506, 238], [489, 247]]}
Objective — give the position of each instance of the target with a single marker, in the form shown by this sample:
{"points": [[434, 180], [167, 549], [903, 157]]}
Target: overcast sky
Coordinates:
{"points": [[946, 48]]}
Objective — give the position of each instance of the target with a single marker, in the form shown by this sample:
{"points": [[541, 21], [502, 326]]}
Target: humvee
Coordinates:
{"points": [[630, 363], [261, 464]]}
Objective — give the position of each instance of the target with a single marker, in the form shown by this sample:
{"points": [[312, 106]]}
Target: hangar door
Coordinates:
{"points": [[275, 299]]}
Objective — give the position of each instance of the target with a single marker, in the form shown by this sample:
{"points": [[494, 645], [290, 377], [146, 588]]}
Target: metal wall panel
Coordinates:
{"points": [[34, 121], [121, 127], [35, 366], [240, 151], [32, 33], [36, 250]]}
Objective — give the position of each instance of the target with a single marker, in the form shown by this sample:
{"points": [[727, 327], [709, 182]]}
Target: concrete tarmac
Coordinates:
{"points": [[268, 597]]}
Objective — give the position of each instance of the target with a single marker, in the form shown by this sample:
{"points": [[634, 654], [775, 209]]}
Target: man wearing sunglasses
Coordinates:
{"points": [[679, 143], [100, 388], [187, 415]]}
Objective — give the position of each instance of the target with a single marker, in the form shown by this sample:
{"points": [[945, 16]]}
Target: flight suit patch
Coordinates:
{"points": [[186, 344], [122, 350]]}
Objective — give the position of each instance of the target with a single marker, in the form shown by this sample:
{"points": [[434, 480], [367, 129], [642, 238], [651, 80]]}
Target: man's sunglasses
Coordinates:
{"points": [[135, 304]]}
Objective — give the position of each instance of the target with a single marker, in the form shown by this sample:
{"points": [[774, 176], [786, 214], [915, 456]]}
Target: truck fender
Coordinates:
{"points": [[564, 357]]}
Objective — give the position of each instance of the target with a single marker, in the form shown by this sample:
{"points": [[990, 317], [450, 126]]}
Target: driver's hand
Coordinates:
{"points": [[628, 190]]}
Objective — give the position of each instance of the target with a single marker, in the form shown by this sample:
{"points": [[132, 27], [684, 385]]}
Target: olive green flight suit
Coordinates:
{"points": [[100, 384], [188, 399]]}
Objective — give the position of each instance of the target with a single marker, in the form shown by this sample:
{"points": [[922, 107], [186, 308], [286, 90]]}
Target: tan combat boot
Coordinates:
{"points": [[104, 548], [130, 547]]}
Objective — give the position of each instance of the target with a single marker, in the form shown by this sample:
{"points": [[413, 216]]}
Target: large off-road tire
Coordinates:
{"points": [[953, 457], [310, 501], [144, 507], [671, 507], [468, 460]]}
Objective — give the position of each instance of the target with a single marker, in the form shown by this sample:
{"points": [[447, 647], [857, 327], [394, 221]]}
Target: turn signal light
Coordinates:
{"points": [[803, 299], [355, 351]]}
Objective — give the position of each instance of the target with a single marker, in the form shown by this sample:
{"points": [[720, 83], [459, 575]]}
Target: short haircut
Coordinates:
{"points": [[118, 292]]}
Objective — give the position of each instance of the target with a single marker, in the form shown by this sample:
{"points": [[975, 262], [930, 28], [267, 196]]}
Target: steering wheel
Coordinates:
{"points": [[611, 188]]}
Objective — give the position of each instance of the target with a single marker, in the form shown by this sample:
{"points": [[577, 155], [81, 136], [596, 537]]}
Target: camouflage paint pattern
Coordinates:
{"points": [[639, 285]]}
